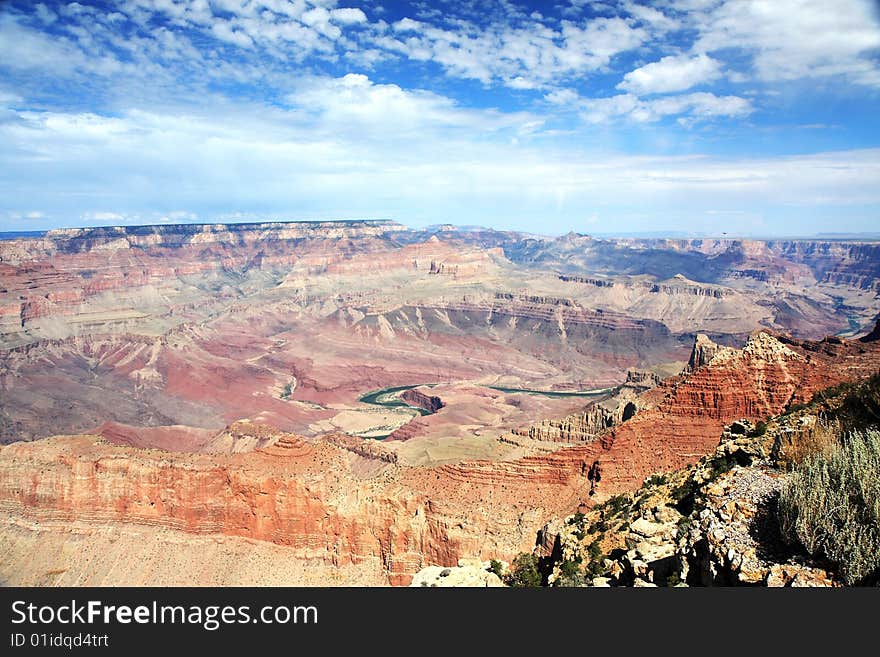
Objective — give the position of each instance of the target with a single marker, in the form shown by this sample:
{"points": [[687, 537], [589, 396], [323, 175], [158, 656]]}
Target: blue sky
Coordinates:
{"points": [[705, 116]]}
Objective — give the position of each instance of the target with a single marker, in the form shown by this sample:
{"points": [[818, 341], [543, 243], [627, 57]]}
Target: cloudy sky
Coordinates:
{"points": [[742, 116]]}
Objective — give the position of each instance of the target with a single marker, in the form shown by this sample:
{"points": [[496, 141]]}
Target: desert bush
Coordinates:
{"points": [[759, 430], [794, 408], [831, 506], [524, 572], [595, 557], [497, 567], [615, 505], [797, 447], [862, 403], [570, 574]]}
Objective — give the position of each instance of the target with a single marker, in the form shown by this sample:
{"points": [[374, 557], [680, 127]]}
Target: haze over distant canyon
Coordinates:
{"points": [[349, 402]]}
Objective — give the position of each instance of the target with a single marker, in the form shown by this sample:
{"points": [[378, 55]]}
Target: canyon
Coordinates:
{"points": [[191, 396]]}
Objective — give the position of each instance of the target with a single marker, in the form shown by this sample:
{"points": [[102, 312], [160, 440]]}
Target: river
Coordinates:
{"points": [[389, 397]]}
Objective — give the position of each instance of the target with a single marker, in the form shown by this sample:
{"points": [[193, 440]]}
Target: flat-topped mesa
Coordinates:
{"points": [[224, 238], [128, 277], [432, 257], [679, 285], [174, 234]]}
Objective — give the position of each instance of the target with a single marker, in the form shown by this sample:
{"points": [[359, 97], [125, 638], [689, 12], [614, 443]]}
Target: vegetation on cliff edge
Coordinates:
{"points": [[831, 506]]}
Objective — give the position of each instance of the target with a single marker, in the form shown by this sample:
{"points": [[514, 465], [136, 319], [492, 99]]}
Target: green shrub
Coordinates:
{"points": [[673, 579], [497, 567], [595, 567], [833, 391], [794, 408], [524, 572], [861, 406], [831, 506], [598, 527], [614, 505], [759, 430], [570, 574]]}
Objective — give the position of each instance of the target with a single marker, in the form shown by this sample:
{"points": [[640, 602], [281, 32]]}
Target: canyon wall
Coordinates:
{"points": [[310, 498]]}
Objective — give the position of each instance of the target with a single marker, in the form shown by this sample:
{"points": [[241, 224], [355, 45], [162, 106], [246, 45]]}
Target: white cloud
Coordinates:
{"points": [[348, 16], [701, 105], [791, 39], [530, 56], [562, 97], [653, 17], [672, 73], [26, 49], [353, 103], [407, 25], [7, 98], [399, 158], [46, 15], [225, 32]]}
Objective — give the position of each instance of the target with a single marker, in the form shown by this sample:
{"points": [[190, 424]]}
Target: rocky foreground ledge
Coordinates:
{"points": [[728, 537]]}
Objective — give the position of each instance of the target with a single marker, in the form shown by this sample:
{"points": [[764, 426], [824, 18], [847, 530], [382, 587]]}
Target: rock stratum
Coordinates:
{"points": [[239, 404], [328, 508]]}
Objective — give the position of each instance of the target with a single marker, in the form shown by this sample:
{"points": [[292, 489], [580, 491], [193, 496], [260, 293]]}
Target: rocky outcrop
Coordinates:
{"points": [[709, 525], [417, 398], [243, 436], [703, 352], [679, 285], [682, 419], [468, 573], [873, 336], [369, 449], [596, 282], [622, 405], [641, 381]]}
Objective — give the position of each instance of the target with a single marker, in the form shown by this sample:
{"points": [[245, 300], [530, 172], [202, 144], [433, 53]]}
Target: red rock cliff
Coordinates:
{"points": [[308, 496]]}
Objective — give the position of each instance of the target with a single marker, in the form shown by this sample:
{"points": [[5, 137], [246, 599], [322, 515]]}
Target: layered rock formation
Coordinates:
{"points": [[713, 524], [223, 368], [315, 500], [679, 285], [622, 405], [415, 397]]}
